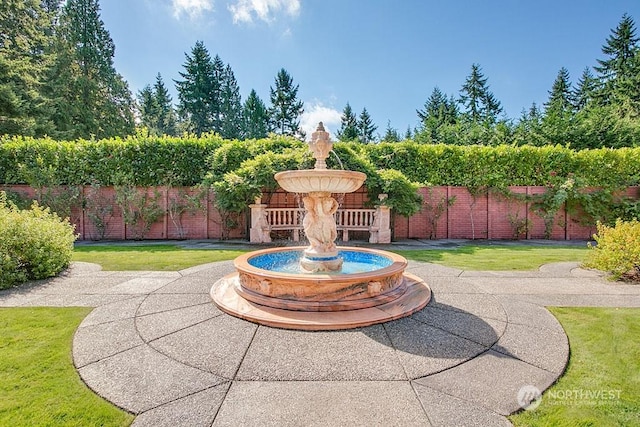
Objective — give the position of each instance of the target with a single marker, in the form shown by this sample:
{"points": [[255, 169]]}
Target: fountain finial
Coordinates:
{"points": [[320, 145]]}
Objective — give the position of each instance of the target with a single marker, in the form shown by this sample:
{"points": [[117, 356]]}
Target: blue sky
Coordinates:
{"points": [[382, 55]]}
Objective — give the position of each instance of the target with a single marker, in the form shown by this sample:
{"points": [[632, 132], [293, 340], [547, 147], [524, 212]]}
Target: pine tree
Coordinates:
{"points": [[285, 108], [24, 39], [621, 47], [148, 109], [156, 111], [195, 91], [167, 121], [408, 134], [438, 111], [89, 97], [216, 96], [366, 128], [256, 119], [585, 90], [391, 134], [560, 96], [619, 73], [481, 105], [348, 125], [558, 115], [231, 106]]}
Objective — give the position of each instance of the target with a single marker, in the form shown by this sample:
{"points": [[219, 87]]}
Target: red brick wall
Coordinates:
{"points": [[494, 216]]}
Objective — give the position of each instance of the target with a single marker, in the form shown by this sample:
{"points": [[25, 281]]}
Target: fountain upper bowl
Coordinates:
{"points": [[320, 180]]}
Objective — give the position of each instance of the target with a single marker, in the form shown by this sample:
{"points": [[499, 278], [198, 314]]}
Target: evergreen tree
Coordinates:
{"points": [[558, 117], [438, 111], [481, 105], [216, 101], [285, 108], [391, 134], [256, 119], [196, 91], [167, 121], [156, 110], [408, 133], [348, 125], [585, 90], [560, 96], [366, 128], [89, 97], [23, 63], [148, 109], [231, 106], [618, 74], [621, 47]]}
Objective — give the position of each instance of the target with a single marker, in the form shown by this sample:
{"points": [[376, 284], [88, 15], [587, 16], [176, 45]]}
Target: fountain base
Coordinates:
{"points": [[226, 296], [377, 292]]}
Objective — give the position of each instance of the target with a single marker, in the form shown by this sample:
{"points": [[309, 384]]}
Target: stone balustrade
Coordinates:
{"points": [[264, 220]]}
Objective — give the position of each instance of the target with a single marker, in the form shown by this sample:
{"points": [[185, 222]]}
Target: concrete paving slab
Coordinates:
{"points": [[491, 380], [582, 300], [466, 325], [193, 284], [96, 342], [140, 379], [424, 350], [196, 410], [432, 270], [156, 303], [323, 403], [53, 301], [217, 345], [523, 313], [154, 326], [19, 299], [449, 285], [141, 285], [541, 347], [96, 300], [357, 354], [211, 270], [445, 410], [118, 310], [481, 305]]}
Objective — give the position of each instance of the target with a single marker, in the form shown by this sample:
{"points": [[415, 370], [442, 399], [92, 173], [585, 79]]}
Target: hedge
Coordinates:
{"points": [[186, 161]]}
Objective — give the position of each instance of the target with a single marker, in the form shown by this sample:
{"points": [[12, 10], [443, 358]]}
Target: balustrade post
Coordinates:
{"points": [[381, 230], [259, 231]]}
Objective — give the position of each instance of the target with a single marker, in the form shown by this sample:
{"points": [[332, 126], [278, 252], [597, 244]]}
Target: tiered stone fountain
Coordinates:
{"points": [[322, 286]]}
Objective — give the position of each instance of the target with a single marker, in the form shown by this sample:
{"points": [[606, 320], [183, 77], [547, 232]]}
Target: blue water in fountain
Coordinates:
{"points": [[289, 262]]}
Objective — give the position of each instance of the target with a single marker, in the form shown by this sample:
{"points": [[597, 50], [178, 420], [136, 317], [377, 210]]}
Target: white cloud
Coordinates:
{"points": [[319, 113], [244, 10], [192, 8]]}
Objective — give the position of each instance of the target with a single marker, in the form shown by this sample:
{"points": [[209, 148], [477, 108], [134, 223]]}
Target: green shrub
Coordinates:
{"points": [[34, 243], [617, 250]]}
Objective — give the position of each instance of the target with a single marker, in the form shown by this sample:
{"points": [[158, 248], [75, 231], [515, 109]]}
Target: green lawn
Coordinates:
{"points": [[472, 257], [149, 257], [601, 386], [482, 257], [38, 383]]}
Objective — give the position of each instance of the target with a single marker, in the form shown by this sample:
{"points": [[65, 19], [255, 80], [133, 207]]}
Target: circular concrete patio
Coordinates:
{"points": [[157, 346]]}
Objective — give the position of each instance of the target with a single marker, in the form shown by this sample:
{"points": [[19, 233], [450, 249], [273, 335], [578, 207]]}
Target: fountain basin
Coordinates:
{"points": [[371, 277], [320, 180]]}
